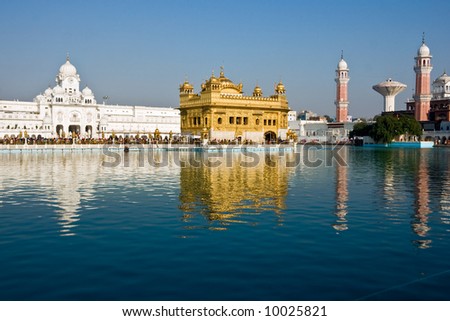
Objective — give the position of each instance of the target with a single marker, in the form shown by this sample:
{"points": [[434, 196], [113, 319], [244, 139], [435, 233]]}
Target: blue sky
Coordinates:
{"points": [[138, 52]]}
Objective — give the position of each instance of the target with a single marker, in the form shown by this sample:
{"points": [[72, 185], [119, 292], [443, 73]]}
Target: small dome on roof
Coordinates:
{"points": [[280, 87], [186, 85], [222, 77], [87, 91], [58, 90], [257, 92], [423, 51], [444, 78], [48, 92], [213, 79]]}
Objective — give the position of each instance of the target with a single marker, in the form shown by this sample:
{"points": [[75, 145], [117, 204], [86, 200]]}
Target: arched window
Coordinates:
{"points": [[257, 121], [219, 120]]}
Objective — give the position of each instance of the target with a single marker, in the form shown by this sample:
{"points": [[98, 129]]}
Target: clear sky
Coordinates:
{"points": [[139, 52]]}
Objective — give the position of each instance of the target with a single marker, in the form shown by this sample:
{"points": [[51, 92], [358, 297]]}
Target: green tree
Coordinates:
{"points": [[410, 126], [388, 127], [361, 129]]}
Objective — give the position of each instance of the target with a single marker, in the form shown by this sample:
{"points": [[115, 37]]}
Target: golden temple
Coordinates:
{"points": [[221, 112]]}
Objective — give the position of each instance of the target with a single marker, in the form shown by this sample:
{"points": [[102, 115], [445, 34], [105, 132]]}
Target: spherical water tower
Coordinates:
{"points": [[389, 89]]}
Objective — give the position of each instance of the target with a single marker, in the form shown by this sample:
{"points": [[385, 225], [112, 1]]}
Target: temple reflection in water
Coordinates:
{"points": [[65, 184], [232, 188], [235, 190]]}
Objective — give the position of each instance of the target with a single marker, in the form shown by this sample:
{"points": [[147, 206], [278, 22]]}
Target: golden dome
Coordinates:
{"points": [[213, 79], [280, 88], [257, 92], [186, 87], [222, 77]]}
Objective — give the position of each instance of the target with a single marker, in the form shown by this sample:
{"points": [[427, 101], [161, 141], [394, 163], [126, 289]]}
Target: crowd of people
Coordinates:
{"points": [[113, 139], [138, 139]]}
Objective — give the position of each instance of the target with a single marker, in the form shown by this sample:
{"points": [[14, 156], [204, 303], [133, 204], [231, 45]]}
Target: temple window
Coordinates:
{"points": [[238, 120], [245, 120], [274, 122], [219, 120], [231, 120], [270, 122]]}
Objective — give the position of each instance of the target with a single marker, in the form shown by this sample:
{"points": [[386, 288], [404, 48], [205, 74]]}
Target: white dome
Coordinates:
{"points": [[423, 51], [342, 65], [48, 92], [58, 90], [444, 78], [87, 91], [68, 69]]}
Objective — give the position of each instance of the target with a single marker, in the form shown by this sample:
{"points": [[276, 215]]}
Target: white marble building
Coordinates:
{"points": [[65, 109]]}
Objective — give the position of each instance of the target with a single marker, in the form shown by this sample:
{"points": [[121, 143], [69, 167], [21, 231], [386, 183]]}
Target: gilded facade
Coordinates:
{"points": [[221, 111]]}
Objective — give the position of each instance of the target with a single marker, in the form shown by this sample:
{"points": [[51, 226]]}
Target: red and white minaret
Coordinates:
{"points": [[341, 90], [422, 94]]}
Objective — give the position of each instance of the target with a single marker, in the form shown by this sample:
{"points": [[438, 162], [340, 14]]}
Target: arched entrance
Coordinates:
{"points": [[74, 129], [270, 137], [59, 130], [88, 130]]}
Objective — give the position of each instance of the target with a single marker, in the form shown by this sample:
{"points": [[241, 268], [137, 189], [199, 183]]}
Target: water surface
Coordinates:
{"points": [[171, 226]]}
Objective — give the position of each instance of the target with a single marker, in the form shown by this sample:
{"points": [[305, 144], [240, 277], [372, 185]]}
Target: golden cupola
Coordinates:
{"points": [[186, 88], [279, 89], [257, 92]]}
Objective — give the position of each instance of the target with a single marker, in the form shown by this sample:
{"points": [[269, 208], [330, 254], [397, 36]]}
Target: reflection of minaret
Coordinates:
{"points": [[341, 192], [422, 209]]}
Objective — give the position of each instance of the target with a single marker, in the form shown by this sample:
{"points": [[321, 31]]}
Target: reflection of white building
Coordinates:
{"points": [[67, 109]]}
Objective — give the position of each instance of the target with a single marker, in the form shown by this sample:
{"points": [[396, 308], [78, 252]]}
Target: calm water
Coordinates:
{"points": [[73, 227]]}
